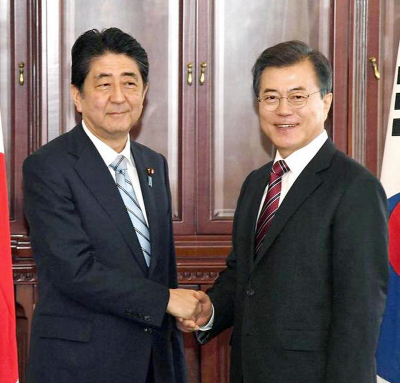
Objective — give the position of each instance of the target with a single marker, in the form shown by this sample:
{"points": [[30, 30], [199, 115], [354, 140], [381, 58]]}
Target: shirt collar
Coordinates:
{"points": [[106, 152], [299, 159]]}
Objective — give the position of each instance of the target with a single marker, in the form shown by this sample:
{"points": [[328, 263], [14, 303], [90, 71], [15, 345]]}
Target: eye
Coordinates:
{"points": [[104, 85], [297, 97], [130, 83], [270, 98]]}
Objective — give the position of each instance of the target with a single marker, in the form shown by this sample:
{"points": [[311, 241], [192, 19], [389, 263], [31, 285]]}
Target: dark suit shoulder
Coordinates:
{"points": [[53, 152], [349, 169], [263, 169], [349, 181], [260, 173], [145, 150], [56, 144]]}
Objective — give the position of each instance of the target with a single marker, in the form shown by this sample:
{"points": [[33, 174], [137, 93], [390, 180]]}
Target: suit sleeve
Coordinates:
{"points": [[223, 292], [68, 262], [173, 277], [179, 364], [359, 279]]}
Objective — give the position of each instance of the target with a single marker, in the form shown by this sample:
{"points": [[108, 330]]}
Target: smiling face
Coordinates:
{"points": [[111, 101], [288, 128]]}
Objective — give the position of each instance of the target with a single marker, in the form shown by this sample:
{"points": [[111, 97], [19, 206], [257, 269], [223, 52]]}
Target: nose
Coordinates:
{"points": [[284, 108], [117, 94]]}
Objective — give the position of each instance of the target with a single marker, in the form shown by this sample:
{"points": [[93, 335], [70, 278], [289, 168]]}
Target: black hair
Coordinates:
{"points": [[290, 53], [92, 44]]}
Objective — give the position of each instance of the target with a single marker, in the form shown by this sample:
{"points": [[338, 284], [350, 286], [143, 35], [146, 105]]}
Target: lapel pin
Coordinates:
{"points": [[150, 172]]}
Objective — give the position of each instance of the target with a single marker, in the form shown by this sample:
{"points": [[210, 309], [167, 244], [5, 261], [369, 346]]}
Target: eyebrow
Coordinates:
{"points": [[124, 74], [266, 90]]}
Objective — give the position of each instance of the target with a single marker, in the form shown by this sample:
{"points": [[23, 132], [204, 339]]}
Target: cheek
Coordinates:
{"points": [[312, 117], [99, 103], [137, 99], [96, 102], [136, 103], [322, 116], [265, 119]]}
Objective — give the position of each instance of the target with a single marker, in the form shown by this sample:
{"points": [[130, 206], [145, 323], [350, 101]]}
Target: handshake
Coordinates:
{"points": [[192, 309]]}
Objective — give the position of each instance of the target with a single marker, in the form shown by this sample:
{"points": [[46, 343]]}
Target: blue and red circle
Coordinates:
{"points": [[394, 232]]}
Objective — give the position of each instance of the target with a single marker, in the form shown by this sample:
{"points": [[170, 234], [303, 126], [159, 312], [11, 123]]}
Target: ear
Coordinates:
{"points": [[327, 104], [145, 89], [76, 98]]}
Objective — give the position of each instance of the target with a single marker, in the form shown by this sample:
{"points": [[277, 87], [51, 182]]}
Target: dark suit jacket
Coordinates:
{"points": [[309, 308], [101, 311]]}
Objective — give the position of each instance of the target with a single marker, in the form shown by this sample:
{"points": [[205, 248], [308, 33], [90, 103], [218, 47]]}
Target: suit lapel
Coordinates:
{"points": [[255, 196], [306, 183], [142, 163], [94, 173]]}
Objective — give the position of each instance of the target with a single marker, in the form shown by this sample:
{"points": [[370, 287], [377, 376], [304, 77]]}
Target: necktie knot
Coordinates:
{"points": [[280, 168], [119, 164]]}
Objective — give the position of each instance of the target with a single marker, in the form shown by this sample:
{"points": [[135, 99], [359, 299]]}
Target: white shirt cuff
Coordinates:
{"points": [[208, 326]]}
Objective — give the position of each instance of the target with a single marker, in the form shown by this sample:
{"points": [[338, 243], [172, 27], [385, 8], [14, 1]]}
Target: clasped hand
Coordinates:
{"points": [[192, 309]]}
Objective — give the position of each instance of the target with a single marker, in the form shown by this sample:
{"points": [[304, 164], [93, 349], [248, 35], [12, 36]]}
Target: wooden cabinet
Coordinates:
{"points": [[200, 108], [200, 111]]}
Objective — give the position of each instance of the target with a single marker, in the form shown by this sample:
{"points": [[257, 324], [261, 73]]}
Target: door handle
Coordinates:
{"points": [[203, 67], [21, 78], [375, 67], [189, 79]]}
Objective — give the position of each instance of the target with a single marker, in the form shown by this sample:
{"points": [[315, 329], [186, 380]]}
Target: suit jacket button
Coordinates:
{"points": [[250, 292], [148, 330]]}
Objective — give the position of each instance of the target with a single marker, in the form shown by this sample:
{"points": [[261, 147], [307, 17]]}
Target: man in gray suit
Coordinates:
{"points": [[305, 283]]}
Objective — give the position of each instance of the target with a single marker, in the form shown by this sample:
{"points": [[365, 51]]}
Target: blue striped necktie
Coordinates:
{"points": [[128, 195]]}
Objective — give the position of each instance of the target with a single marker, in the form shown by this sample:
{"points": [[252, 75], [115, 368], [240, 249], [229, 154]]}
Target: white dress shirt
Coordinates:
{"points": [[108, 155], [297, 161]]}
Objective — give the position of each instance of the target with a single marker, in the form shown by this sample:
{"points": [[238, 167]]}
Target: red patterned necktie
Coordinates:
{"points": [[271, 202]]}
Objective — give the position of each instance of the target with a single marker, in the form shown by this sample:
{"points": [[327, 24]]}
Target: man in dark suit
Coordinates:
{"points": [[305, 283], [99, 211]]}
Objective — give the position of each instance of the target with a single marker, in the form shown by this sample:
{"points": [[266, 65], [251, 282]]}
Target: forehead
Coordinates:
{"points": [[113, 64], [297, 76]]}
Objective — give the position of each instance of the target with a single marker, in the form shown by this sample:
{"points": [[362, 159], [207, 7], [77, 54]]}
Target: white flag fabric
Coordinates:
{"points": [[388, 353], [390, 176]]}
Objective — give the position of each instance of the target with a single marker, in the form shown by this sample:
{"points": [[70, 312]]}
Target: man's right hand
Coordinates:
{"points": [[184, 304], [189, 325]]}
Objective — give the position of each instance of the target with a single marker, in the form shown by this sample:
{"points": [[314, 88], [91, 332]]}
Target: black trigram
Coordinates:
{"points": [[396, 121], [397, 102], [396, 127]]}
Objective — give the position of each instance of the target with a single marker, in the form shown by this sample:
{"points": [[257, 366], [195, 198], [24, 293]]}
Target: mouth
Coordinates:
{"points": [[117, 114], [285, 126]]}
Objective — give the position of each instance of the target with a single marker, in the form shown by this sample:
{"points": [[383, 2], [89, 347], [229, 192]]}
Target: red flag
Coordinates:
{"points": [[8, 343]]}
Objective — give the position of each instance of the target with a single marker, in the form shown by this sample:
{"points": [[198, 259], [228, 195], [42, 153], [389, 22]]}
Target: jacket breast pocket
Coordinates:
{"points": [[73, 329], [304, 340]]}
